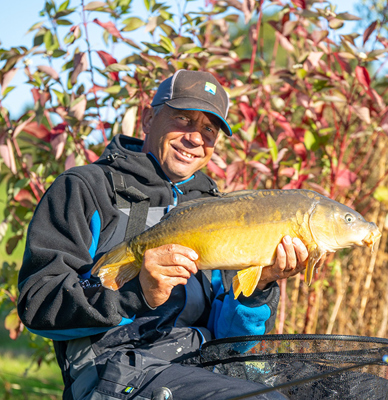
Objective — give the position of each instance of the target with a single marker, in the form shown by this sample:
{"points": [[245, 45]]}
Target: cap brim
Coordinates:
{"points": [[199, 105]]}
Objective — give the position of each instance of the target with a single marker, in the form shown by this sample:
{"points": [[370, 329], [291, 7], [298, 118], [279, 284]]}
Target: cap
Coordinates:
{"points": [[194, 90]]}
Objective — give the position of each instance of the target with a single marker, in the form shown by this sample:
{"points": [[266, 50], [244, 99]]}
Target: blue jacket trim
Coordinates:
{"points": [[70, 334], [95, 229]]}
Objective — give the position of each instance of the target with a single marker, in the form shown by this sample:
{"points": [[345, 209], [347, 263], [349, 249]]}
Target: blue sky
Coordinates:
{"points": [[17, 16]]}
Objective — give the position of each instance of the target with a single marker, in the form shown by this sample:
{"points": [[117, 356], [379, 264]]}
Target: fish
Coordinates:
{"points": [[241, 231]]}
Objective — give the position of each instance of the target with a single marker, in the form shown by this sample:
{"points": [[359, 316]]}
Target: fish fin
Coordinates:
{"points": [[246, 281], [116, 267], [314, 256]]}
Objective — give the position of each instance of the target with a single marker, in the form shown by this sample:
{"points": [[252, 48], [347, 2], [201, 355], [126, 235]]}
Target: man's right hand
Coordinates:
{"points": [[164, 268]]}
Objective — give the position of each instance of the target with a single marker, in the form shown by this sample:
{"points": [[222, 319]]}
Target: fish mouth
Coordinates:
{"points": [[371, 238]]}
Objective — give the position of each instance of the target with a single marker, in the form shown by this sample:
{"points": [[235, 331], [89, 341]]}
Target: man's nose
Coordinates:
{"points": [[195, 137]]}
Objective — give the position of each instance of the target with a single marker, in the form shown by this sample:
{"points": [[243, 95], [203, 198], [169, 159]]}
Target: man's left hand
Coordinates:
{"points": [[291, 259]]}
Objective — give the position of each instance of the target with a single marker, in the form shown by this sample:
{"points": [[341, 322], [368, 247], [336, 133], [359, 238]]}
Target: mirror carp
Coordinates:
{"points": [[241, 231]]}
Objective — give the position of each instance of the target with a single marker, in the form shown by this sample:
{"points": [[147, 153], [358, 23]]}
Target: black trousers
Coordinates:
{"points": [[137, 374]]}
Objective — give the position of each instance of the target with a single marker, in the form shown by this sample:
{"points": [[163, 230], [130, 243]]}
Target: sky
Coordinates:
{"points": [[17, 16]]}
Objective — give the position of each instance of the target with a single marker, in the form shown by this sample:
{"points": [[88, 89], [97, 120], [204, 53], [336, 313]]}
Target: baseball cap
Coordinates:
{"points": [[194, 90]]}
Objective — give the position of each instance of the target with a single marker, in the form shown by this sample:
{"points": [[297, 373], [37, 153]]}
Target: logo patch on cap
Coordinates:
{"points": [[211, 88]]}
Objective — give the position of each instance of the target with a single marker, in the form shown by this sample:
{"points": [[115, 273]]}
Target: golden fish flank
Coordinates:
{"points": [[241, 231]]}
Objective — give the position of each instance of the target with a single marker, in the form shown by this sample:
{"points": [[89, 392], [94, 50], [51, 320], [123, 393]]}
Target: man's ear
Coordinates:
{"points": [[147, 118]]}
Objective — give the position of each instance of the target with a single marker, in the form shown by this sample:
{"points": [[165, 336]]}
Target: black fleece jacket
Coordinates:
{"points": [[60, 241]]}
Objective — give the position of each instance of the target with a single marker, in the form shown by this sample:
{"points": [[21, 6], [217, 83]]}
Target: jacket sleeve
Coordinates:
{"points": [[61, 239], [254, 315]]}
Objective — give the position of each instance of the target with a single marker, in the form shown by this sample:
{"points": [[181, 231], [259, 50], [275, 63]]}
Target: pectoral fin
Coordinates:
{"points": [[314, 256], [116, 267], [246, 281]]}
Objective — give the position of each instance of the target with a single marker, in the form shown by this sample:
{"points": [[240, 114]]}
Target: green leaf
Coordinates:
{"points": [[147, 4], [95, 6], [38, 25], [116, 67], [167, 44], [336, 23], [113, 89], [381, 194], [190, 48], [273, 148], [63, 13], [7, 90], [132, 24], [64, 22], [64, 5], [156, 47], [311, 141], [348, 17]]}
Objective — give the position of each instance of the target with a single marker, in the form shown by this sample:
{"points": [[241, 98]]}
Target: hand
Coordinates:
{"points": [[164, 268], [291, 259]]}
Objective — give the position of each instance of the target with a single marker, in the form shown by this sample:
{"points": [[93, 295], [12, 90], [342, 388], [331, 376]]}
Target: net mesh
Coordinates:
{"points": [[279, 359]]}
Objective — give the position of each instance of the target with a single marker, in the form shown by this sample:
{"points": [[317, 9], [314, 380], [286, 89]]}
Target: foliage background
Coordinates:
{"points": [[308, 110]]}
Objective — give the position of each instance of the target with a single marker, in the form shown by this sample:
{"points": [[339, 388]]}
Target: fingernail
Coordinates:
{"points": [[297, 241], [194, 256], [280, 247], [287, 240]]}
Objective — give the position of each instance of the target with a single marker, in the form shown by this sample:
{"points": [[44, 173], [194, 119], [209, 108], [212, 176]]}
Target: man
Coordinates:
{"points": [[131, 343]]}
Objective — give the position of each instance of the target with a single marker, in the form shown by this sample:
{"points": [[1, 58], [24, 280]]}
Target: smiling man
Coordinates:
{"points": [[133, 343]]}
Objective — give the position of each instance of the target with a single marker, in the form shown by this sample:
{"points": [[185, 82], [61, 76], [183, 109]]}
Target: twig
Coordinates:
{"points": [[92, 72]]}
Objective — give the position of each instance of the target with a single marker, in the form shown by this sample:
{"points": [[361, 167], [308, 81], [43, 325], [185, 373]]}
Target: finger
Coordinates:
{"points": [[175, 254], [175, 271], [300, 250], [290, 253], [281, 258]]}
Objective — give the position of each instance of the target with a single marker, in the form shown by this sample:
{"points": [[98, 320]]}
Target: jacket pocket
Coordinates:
{"points": [[119, 379]]}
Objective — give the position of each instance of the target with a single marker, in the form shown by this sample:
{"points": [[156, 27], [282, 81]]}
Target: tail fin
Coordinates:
{"points": [[116, 267], [246, 281]]}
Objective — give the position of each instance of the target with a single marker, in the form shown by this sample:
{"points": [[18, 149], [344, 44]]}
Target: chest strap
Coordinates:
{"points": [[128, 197]]}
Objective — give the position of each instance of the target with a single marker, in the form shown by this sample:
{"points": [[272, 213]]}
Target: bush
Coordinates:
{"points": [[308, 110]]}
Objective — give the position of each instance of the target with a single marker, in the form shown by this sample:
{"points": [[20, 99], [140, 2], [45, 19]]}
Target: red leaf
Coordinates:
{"points": [[6, 153], [70, 161], [107, 59], [39, 131], [58, 139], [233, 170], [369, 31], [289, 172], [211, 165], [282, 121], [110, 27], [248, 112], [300, 3], [260, 167], [6, 79], [96, 88], [35, 94], [363, 77], [91, 156], [80, 65], [345, 178], [345, 66], [49, 71], [25, 198]]}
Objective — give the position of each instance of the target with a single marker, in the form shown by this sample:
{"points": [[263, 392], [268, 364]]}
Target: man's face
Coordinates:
{"points": [[182, 140]]}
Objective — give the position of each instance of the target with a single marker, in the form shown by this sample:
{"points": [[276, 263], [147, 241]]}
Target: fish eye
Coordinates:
{"points": [[349, 218]]}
